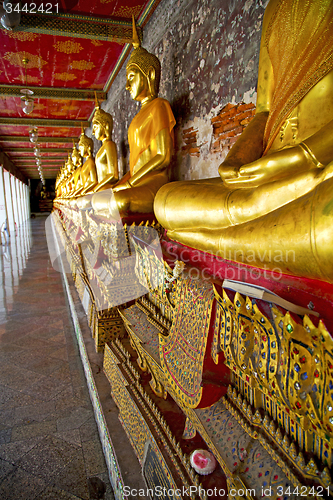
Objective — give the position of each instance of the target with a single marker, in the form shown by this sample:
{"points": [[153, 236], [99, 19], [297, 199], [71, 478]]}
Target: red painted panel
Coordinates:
{"points": [[56, 61]]}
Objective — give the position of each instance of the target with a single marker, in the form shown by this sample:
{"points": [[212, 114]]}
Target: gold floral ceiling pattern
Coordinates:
{"points": [[65, 77], [16, 58], [23, 36], [82, 65], [68, 47]]}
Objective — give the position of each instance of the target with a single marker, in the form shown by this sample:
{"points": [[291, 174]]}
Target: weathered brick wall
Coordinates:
{"points": [[229, 124], [209, 52]]}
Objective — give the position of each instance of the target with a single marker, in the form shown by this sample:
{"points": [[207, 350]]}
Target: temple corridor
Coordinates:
{"points": [[49, 443]]}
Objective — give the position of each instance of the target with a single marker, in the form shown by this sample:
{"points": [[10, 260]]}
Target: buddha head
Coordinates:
{"points": [[69, 164], [143, 71], [76, 157], [86, 145], [102, 123]]}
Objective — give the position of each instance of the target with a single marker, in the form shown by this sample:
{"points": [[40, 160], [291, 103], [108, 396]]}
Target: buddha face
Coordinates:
{"points": [[98, 131], [137, 84], [83, 150], [76, 158]]}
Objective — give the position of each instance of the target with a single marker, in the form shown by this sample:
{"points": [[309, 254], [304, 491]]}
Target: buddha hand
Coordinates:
{"points": [[121, 187], [271, 167]]}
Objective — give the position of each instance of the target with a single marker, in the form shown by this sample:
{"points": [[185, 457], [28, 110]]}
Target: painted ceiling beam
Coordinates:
{"points": [[43, 122], [54, 93], [24, 138], [30, 150], [19, 159], [78, 26]]}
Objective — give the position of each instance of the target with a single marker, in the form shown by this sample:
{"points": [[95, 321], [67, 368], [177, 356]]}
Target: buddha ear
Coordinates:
{"points": [[151, 73], [151, 80]]}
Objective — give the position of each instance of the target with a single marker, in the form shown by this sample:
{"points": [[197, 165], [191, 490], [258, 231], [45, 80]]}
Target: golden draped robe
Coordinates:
{"points": [[151, 119]]}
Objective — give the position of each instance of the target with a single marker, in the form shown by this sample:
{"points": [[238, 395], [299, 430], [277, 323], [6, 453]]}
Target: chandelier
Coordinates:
{"points": [[33, 134], [27, 102]]}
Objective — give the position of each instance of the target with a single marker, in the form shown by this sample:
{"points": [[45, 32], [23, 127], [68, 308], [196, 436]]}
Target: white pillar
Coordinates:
{"points": [[14, 201], [5, 198], [9, 203], [25, 205], [3, 207], [27, 199], [19, 200]]}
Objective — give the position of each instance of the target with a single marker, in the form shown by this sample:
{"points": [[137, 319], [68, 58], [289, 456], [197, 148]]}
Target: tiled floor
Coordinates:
{"points": [[49, 444]]}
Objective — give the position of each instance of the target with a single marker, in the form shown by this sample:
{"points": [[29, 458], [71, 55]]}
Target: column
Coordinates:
{"points": [[14, 201], [19, 201], [9, 202], [3, 207]]}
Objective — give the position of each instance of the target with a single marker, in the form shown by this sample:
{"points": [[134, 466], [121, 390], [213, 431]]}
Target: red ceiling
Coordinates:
{"points": [[61, 62]]}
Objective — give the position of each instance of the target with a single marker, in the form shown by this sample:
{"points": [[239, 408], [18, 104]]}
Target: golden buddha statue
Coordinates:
{"points": [[88, 171], [61, 181], [69, 166], [106, 160], [77, 161], [274, 192], [150, 138]]}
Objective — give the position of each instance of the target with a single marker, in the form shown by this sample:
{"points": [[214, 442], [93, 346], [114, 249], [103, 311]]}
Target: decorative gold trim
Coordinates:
{"points": [[46, 159], [54, 93], [75, 26], [43, 122], [50, 140], [30, 150]]}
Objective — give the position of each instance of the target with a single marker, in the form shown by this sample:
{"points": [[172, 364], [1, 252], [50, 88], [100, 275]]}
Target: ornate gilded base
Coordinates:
{"points": [[158, 443], [245, 378]]}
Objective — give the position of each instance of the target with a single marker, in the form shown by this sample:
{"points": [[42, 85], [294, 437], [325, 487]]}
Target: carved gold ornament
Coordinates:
{"points": [[16, 59], [82, 65], [125, 11], [30, 79], [22, 36], [64, 76], [97, 43], [68, 47]]}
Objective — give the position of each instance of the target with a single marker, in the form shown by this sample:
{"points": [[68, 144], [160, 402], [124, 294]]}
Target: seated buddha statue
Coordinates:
{"points": [[275, 187], [77, 161], [150, 137], [106, 160], [88, 172], [69, 169], [60, 181]]}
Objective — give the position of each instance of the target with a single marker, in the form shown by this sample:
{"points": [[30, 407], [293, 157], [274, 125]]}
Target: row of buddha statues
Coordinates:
{"points": [[274, 189]]}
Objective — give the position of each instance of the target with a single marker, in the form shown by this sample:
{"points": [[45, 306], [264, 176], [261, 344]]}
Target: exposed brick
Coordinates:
{"points": [[238, 130], [186, 130], [191, 140], [216, 119], [193, 150], [216, 144], [230, 126], [190, 134], [246, 121], [218, 131], [245, 114], [227, 107], [244, 106], [229, 134], [232, 140]]}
